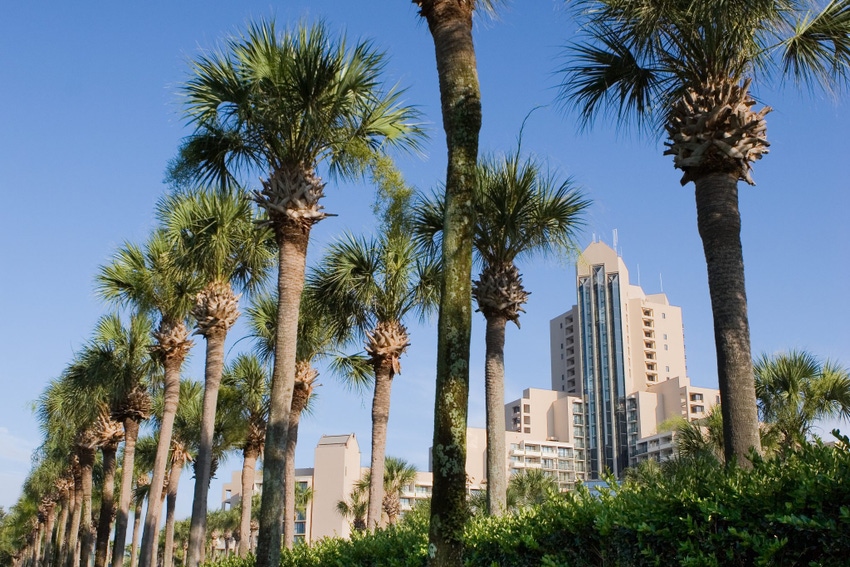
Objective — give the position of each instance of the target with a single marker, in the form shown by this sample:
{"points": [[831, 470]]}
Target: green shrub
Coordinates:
{"points": [[691, 512]]}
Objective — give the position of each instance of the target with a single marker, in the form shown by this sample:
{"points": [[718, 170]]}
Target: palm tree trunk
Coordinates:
{"points": [[289, 476], [61, 529], [172, 366], [214, 367], [36, 545], [249, 466], [86, 531], [292, 241], [450, 23], [107, 502], [719, 222], [49, 524], [380, 418], [77, 511], [494, 392], [131, 433], [134, 545], [170, 506]]}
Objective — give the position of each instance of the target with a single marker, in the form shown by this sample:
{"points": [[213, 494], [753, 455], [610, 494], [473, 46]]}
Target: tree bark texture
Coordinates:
{"points": [[292, 241], [719, 222], [134, 545], [450, 23], [170, 506], [289, 478], [212, 373], [494, 392], [49, 525], [131, 433], [249, 467], [72, 538], [380, 418], [107, 503], [61, 530], [173, 364], [86, 532]]}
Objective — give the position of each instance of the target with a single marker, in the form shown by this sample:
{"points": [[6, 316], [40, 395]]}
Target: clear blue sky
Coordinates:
{"points": [[90, 116]]}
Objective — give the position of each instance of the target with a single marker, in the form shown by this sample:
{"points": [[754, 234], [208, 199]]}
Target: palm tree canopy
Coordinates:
{"points": [[217, 234], [639, 58], [794, 389], [522, 210], [363, 281], [276, 101], [148, 279]]}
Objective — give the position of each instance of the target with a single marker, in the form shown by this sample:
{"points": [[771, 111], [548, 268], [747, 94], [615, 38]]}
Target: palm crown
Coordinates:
{"points": [[687, 65]]}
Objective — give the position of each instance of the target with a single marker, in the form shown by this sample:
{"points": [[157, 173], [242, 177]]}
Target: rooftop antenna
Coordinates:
{"points": [[615, 240], [638, 266], [661, 281]]}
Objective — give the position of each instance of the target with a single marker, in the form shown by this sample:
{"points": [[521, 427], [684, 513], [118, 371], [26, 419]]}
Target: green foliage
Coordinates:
{"points": [[693, 511]]}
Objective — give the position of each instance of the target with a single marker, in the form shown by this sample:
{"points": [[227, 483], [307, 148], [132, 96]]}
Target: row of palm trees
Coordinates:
{"points": [[211, 241]]}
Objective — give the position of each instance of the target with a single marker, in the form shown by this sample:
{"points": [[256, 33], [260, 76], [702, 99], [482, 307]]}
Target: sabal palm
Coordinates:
{"points": [[148, 280], [121, 363], [246, 384], [283, 105], [184, 447], [685, 67], [701, 437], [450, 24], [795, 389], [366, 288], [314, 341], [530, 487], [68, 416], [521, 212], [217, 238], [398, 475]]}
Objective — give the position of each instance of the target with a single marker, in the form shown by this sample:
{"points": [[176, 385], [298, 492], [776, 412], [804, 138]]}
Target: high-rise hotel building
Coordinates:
{"points": [[622, 353]]}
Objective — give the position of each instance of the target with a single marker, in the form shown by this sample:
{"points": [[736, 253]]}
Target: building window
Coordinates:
{"points": [[665, 347], [526, 408], [667, 368], [663, 315], [696, 397], [665, 336], [527, 420], [532, 448], [697, 409], [527, 430], [516, 409]]}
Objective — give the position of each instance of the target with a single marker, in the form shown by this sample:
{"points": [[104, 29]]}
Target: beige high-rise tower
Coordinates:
{"points": [[615, 344]]}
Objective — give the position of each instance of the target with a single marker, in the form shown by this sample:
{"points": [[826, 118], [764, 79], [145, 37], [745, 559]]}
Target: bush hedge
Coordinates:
{"points": [[695, 512]]}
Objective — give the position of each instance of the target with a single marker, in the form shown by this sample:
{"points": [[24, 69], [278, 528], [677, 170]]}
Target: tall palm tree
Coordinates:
{"points": [[366, 288], [450, 24], [314, 341], [521, 211], [216, 235], [246, 383], [355, 507], [148, 279], [685, 67], [795, 389], [118, 362], [283, 105], [68, 416]]}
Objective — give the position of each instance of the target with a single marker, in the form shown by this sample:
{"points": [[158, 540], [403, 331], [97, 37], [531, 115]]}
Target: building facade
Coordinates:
{"points": [[621, 352]]}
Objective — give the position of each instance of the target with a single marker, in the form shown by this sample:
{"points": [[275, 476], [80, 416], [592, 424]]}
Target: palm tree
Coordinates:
{"points": [[365, 288], [450, 24], [283, 105], [398, 475], [521, 211], [314, 341], [184, 442], [688, 66], [530, 487], [795, 389], [121, 363], [701, 437], [68, 415], [147, 279], [246, 383], [216, 235], [355, 508]]}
